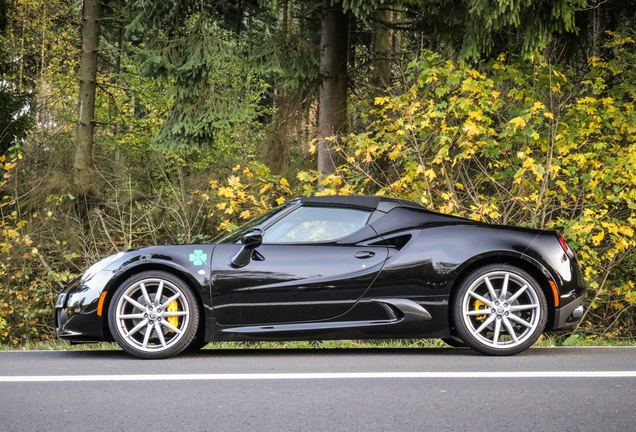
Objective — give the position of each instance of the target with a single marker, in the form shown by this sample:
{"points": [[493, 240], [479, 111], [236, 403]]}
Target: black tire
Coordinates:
{"points": [[455, 342], [511, 321], [151, 324]]}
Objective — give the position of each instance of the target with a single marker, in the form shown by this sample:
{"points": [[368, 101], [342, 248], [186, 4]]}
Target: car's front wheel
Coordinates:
{"points": [[153, 315], [499, 309]]}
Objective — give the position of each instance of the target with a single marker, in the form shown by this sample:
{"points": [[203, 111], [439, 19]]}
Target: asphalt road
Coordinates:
{"points": [[543, 389]]}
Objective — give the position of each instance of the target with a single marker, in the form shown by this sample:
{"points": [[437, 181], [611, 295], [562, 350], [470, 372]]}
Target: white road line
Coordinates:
{"points": [[295, 376]]}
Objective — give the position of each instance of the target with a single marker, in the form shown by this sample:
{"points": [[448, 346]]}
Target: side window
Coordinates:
{"points": [[316, 224]]}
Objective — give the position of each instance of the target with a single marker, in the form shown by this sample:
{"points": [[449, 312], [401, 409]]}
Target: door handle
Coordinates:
{"points": [[364, 254]]}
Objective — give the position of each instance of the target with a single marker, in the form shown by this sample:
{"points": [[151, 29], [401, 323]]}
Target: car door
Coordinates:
{"points": [[309, 267]]}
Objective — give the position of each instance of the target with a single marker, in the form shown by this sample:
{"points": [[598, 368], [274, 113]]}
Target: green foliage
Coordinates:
{"points": [[15, 112], [290, 58], [475, 28], [15, 119], [534, 23], [215, 89], [572, 340], [360, 8]]}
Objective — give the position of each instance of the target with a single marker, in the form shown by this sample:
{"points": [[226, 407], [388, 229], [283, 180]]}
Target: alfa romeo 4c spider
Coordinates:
{"points": [[333, 267]]}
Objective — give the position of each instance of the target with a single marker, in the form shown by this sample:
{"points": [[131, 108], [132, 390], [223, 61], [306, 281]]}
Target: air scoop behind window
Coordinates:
{"points": [[396, 241]]}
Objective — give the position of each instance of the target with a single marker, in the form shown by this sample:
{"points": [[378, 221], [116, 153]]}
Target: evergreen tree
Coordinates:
{"points": [[15, 105], [184, 44]]}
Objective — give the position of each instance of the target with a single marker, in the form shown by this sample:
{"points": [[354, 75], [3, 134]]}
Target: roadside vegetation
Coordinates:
{"points": [[196, 116]]}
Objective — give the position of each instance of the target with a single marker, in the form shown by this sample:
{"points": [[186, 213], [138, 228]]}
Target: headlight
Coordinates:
{"points": [[61, 298], [100, 265]]}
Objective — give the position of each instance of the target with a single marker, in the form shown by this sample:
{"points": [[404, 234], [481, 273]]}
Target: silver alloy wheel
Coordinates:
{"points": [[144, 311], [511, 309]]}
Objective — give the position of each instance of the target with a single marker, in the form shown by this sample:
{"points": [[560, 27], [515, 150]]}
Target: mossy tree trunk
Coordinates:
{"points": [[87, 84], [332, 119], [381, 77]]}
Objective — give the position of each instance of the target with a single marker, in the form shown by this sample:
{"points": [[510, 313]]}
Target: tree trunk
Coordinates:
{"points": [[249, 33], [239, 18], [595, 35], [87, 85], [113, 110], [278, 135], [381, 77], [332, 119]]}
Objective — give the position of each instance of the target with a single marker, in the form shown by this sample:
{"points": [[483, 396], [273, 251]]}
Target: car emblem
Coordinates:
{"points": [[153, 315], [500, 310], [198, 257]]}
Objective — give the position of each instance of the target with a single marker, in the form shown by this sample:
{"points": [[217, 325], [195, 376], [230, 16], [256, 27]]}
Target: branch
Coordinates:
{"points": [[50, 270], [99, 214], [591, 7]]}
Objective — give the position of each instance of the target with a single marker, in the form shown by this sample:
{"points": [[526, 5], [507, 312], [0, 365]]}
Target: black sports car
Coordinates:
{"points": [[333, 267]]}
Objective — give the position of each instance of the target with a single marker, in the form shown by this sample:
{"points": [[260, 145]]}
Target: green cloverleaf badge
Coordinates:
{"points": [[198, 257]]}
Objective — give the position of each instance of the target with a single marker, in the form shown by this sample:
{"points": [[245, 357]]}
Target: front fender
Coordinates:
{"points": [[77, 317], [175, 259]]}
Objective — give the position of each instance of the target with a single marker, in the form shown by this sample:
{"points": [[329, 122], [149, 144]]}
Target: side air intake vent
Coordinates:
{"points": [[397, 242]]}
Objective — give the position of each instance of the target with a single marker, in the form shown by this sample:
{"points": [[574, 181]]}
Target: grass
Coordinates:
{"points": [[331, 344], [544, 341], [55, 345], [580, 340]]}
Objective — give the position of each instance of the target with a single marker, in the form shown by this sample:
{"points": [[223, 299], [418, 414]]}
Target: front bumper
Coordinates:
{"points": [[569, 316], [76, 318]]}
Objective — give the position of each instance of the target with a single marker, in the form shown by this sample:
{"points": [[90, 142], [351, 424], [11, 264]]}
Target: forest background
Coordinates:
{"points": [[126, 123]]}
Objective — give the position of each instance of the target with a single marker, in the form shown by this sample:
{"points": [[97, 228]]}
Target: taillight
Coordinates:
{"points": [[563, 245]]}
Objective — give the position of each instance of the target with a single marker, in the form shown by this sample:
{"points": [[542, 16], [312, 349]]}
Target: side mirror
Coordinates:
{"points": [[251, 240]]}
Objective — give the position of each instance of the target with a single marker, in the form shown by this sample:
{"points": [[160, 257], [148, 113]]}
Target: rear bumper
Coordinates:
{"points": [[568, 317]]}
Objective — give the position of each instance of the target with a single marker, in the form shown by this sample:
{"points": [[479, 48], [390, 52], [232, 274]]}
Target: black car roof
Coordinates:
{"points": [[370, 202]]}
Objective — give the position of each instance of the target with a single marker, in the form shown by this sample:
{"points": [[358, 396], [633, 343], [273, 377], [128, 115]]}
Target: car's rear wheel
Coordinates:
{"points": [[153, 315], [499, 309]]}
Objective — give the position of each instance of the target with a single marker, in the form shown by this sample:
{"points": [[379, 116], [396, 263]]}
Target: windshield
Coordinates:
{"points": [[235, 236]]}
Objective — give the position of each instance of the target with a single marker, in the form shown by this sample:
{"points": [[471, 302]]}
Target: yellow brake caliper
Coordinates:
{"points": [[174, 307], [478, 306]]}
